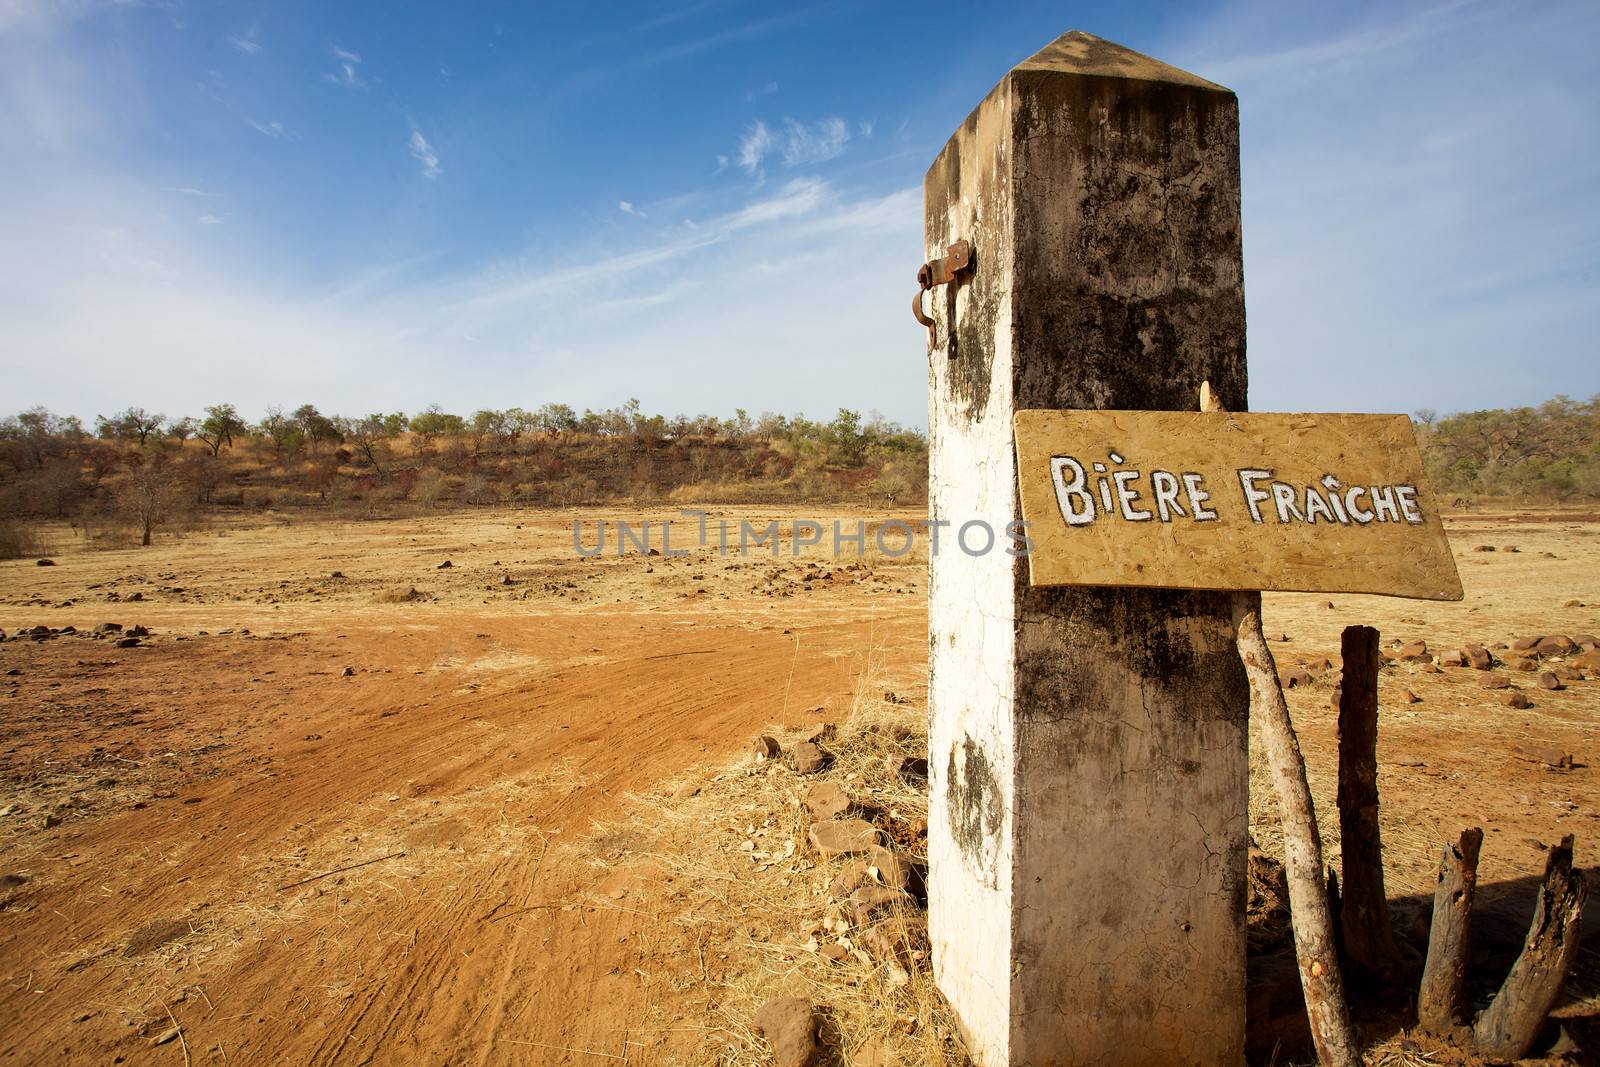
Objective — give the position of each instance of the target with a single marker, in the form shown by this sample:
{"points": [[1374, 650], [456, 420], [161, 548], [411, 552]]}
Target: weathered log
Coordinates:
{"points": [[1315, 944], [1439, 995], [1368, 942], [1506, 1028]]}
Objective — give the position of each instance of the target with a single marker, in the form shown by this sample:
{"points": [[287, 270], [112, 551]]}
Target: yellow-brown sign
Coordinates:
{"points": [[1231, 500]]}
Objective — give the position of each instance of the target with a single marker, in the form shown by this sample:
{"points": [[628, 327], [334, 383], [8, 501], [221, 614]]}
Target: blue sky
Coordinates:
{"points": [[717, 204]]}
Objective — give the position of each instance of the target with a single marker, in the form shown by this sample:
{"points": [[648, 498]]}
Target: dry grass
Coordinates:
{"points": [[755, 897]]}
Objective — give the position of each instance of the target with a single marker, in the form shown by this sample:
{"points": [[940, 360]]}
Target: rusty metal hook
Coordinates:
{"points": [[957, 260]]}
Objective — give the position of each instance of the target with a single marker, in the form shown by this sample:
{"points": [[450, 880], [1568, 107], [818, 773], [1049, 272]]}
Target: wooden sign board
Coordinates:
{"points": [[1231, 500]]}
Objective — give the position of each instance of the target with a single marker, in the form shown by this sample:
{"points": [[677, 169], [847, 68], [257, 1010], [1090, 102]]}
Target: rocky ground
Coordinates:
{"points": [[324, 798]]}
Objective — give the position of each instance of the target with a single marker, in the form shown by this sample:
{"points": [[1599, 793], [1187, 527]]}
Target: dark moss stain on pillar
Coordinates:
{"points": [[976, 808]]}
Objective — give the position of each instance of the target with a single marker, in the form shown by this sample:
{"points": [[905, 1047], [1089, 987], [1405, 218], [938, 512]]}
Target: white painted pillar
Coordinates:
{"points": [[1088, 820]]}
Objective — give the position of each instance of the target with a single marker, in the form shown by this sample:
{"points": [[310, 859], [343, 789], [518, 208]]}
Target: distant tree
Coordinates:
{"points": [[222, 422], [182, 429], [315, 427], [130, 424], [148, 495], [35, 435], [369, 438], [843, 437], [433, 422], [557, 419], [395, 423], [282, 430]]}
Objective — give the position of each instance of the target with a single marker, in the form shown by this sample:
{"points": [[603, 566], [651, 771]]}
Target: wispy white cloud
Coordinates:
{"points": [[763, 90], [627, 208], [798, 143], [754, 145], [189, 190], [815, 143], [424, 153], [347, 69], [273, 129], [211, 220], [247, 42]]}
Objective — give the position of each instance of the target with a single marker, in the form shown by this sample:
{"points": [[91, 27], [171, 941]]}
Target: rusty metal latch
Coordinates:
{"points": [[957, 261]]}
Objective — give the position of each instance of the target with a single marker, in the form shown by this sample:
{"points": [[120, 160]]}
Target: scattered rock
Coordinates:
{"points": [[336, 574], [128, 642], [685, 791], [1569, 674], [140, 631], [1483, 548], [1526, 644], [1290, 677], [1573, 604], [789, 1026], [1556, 644], [1589, 661], [1550, 757], [879, 866], [9, 882], [1510, 548], [1323, 664], [767, 747], [1453, 658], [1497, 681], [1429, 668], [1408, 697], [810, 758], [45, 563], [1414, 651], [446, 565], [1587, 642], [1478, 657], [108, 628], [867, 902], [843, 837], [827, 800], [348, 672], [1548, 680], [1327, 605], [1516, 698]]}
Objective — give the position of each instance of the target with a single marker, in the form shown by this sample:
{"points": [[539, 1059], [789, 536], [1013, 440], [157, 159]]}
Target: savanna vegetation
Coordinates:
{"points": [[1547, 454], [138, 472]]}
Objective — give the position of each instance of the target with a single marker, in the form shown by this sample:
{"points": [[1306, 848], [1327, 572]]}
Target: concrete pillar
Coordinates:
{"points": [[1087, 830]]}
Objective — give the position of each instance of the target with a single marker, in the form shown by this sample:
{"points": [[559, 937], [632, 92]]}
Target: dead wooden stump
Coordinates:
{"points": [[1315, 940], [1368, 941], [1439, 995], [1506, 1028]]}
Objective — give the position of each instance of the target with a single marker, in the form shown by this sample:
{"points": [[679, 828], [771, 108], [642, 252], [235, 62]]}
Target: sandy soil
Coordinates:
{"points": [[318, 696]]}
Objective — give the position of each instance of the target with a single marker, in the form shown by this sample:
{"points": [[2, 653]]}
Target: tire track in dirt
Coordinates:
{"points": [[402, 961]]}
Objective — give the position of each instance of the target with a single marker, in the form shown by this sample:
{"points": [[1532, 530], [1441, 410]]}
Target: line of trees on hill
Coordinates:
{"points": [[1549, 453], [138, 470]]}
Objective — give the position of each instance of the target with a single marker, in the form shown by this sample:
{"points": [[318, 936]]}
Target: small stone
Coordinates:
{"points": [[1516, 698], [1478, 657], [1569, 674], [827, 800], [108, 628], [1453, 658], [1327, 605], [809, 758], [834, 951], [1429, 668], [686, 791], [1323, 664], [789, 1026], [348, 672], [1553, 758], [1510, 548], [1497, 681], [45, 563], [1587, 642], [336, 574], [1556, 644], [128, 642], [1415, 650], [767, 747], [843, 837], [1526, 644], [1589, 661], [1291, 678], [1548, 680], [446, 565], [1483, 548], [1408, 697]]}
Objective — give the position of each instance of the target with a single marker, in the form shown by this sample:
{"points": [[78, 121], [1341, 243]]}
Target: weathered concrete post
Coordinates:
{"points": [[1088, 828]]}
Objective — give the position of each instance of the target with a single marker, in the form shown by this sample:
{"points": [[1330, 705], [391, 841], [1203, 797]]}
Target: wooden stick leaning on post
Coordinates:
{"points": [[1302, 847]]}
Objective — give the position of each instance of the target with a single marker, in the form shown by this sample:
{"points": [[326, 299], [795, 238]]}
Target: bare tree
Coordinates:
{"points": [[150, 496]]}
